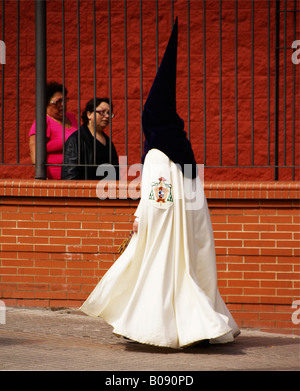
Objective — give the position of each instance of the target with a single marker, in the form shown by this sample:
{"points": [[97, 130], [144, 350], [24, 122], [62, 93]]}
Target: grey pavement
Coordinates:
{"points": [[67, 340]]}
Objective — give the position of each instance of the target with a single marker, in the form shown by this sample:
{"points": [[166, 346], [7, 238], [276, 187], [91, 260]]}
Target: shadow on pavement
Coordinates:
{"points": [[237, 347]]}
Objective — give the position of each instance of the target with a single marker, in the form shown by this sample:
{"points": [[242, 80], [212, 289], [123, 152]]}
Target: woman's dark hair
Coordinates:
{"points": [[52, 88], [90, 107]]}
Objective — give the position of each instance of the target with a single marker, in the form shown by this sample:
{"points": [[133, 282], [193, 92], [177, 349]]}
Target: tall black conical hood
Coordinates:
{"points": [[162, 126]]}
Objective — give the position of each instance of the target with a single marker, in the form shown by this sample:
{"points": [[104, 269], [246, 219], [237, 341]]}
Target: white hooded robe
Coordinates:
{"points": [[163, 289]]}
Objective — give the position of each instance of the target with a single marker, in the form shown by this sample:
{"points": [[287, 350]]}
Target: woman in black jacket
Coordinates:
{"points": [[81, 146]]}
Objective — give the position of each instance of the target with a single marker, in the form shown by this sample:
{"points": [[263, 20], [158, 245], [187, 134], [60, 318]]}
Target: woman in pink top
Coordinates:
{"points": [[54, 95]]}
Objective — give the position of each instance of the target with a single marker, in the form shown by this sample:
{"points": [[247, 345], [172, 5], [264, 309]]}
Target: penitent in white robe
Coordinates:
{"points": [[163, 289]]}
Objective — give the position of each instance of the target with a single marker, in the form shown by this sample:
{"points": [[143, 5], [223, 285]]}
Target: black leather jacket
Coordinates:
{"points": [[86, 168]]}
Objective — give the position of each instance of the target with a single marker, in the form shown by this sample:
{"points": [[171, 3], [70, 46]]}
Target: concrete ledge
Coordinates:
{"points": [[87, 189]]}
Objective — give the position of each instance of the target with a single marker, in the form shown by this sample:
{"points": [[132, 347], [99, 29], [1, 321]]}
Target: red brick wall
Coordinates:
{"points": [[135, 94], [58, 239]]}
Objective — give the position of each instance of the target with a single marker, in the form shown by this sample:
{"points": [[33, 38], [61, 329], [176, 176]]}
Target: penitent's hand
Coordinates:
{"points": [[135, 226]]}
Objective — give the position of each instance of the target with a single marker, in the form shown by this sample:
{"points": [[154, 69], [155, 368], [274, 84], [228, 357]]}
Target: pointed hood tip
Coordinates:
{"points": [[161, 101], [162, 126]]}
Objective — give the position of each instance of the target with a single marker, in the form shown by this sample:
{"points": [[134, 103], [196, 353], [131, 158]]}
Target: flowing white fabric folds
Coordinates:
{"points": [[163, 289]]}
